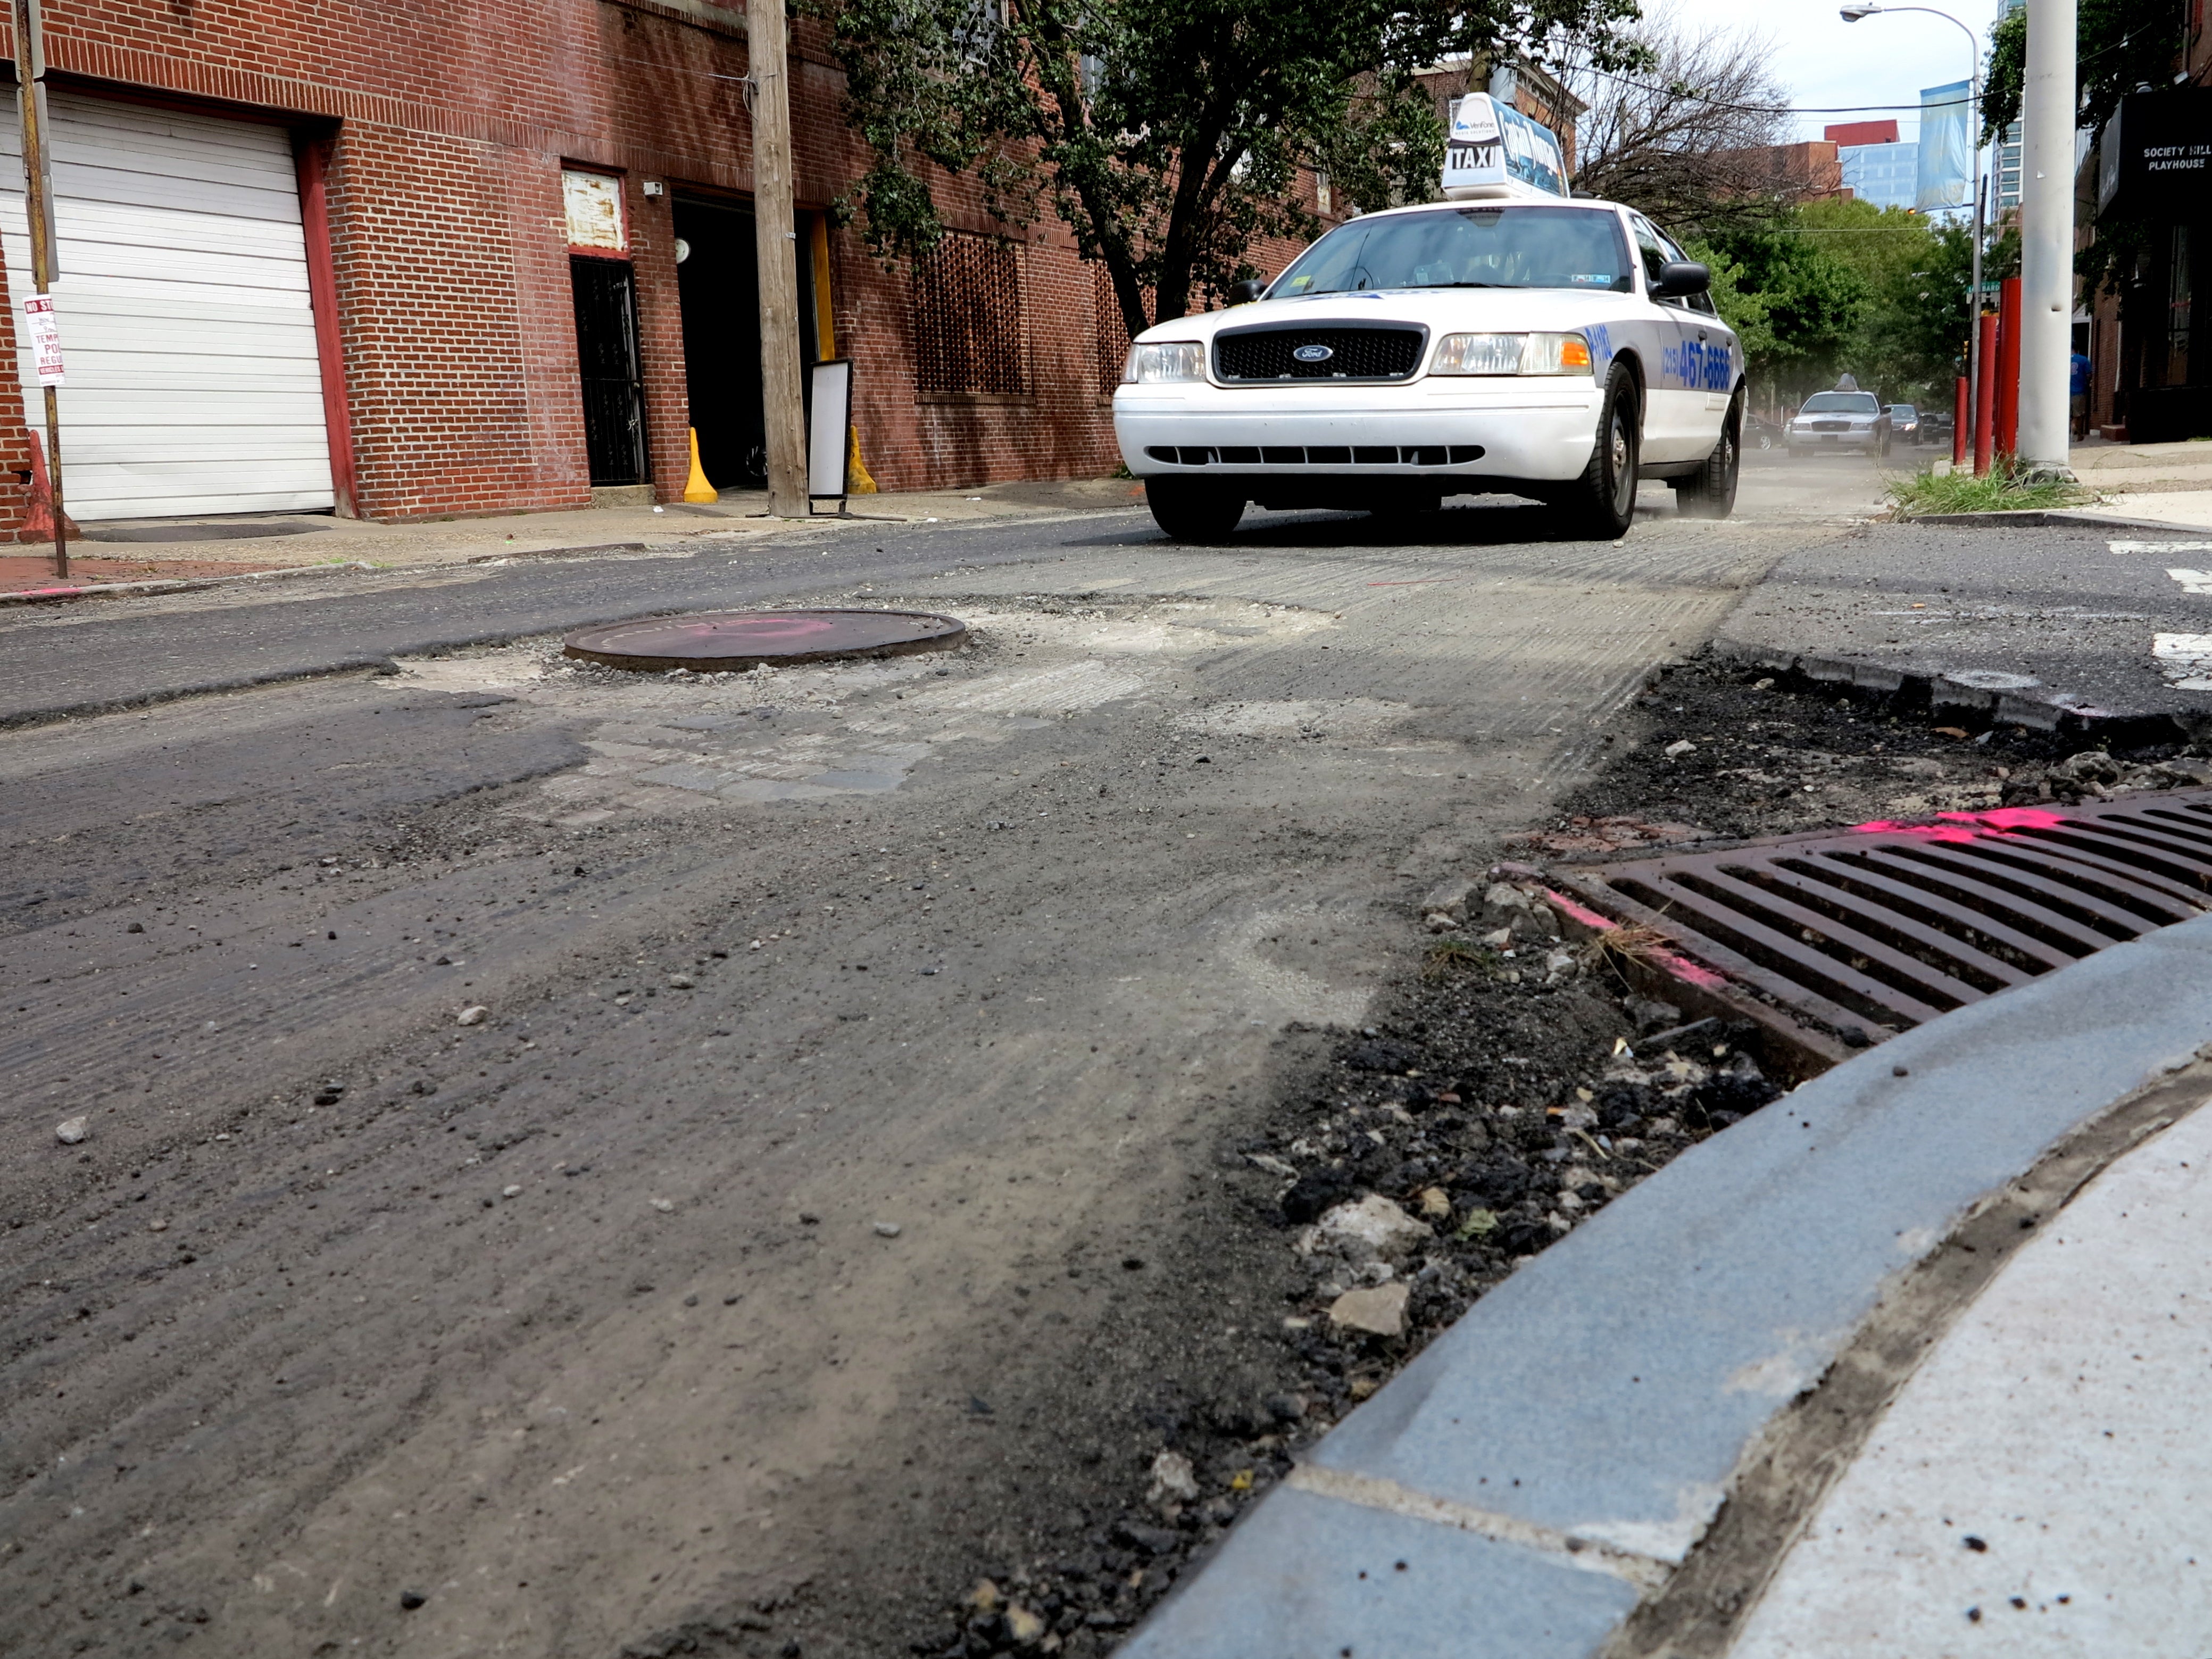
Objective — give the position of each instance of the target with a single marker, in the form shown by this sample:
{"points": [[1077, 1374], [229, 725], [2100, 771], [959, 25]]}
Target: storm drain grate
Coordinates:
{"points": [[1867, 933]]}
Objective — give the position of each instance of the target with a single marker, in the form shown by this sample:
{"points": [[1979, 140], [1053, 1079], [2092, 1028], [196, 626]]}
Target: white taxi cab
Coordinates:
{"points": [[1510, 339]]}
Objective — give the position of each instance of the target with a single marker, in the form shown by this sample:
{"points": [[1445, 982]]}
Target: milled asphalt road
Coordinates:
{"points": [[577, 1322]]}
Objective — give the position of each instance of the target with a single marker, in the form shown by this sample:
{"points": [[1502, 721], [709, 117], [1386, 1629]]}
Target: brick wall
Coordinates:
{"points": [[448, 127]]}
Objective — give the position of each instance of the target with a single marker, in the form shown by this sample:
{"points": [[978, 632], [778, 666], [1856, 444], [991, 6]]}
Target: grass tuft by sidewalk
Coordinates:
{"points": [[1998, 490]]}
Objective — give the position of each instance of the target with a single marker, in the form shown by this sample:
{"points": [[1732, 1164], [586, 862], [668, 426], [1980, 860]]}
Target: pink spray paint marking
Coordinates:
{"points": [[1681, 967], [1966, 826], [1581, 912]]}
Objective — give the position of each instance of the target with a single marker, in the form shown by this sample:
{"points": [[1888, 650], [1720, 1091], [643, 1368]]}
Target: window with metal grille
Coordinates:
{"points": [[1113, 331], [967, 303]]}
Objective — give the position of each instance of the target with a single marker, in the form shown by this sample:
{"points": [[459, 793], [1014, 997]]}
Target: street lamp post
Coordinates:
{"points": [[2048, 113], [1853, 14]]}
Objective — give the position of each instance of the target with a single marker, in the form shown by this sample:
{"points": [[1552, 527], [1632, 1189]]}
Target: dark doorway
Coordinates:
{"points": [[607, 361], [718, 284]]}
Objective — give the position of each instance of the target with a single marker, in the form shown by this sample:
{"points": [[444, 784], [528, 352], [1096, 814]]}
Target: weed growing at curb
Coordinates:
{"points": [[1998, 490]]}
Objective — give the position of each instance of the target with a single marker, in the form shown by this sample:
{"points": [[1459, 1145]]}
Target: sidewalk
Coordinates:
{"points": [[1925, 1336], [2169, 483], [134, 550]]}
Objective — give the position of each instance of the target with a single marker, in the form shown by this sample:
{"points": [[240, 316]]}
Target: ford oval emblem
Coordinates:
{"points": [[1313, 354]]}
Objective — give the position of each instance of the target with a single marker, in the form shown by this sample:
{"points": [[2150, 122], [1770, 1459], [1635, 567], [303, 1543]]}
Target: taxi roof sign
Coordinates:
{"points": [[1496, 152]]}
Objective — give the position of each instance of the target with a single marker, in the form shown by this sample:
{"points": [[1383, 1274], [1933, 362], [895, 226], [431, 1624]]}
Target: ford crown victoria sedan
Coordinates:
{"points": [[1561, 349], [1841, 420]]}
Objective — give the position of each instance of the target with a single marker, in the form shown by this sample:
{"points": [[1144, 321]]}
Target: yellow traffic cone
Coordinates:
{"points": [[696, 487], [857, 481]]}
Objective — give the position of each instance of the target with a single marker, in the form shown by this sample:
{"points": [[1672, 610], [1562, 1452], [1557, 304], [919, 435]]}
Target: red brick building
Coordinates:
{"points": [[404, 261]]}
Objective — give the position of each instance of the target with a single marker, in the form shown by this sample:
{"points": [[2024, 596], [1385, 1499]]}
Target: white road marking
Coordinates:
{"points": [[2192, 581], [2161, 547], [2186, 660]]}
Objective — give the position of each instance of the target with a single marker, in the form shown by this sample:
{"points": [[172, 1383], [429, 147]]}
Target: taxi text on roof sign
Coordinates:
{"points": [[1495, 151]]}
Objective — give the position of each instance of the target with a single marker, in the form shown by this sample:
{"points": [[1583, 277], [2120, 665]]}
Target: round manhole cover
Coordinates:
{"points": [[726, 642]]}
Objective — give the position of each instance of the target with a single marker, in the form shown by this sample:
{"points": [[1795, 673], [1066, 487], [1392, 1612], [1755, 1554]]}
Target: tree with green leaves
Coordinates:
{"points": [[1167, 134], [1796, 305], [1839, 285], [2119, 45]]}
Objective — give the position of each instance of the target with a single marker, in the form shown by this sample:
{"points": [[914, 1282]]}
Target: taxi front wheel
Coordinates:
{"points": [[1600, 505], [1192, 509]]}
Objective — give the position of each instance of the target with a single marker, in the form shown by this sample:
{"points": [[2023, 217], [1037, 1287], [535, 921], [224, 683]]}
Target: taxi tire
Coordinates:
{"points": [[1709, 493], [1591, 507], [1192, 510]]}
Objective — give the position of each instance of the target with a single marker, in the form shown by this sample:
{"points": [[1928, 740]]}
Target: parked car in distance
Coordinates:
{"points": [[1758, 434], [1905, 424], [1830, 421]]}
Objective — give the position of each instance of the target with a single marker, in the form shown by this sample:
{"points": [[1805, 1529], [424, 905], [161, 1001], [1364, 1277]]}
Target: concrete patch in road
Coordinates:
{"points": [[813, 732]]}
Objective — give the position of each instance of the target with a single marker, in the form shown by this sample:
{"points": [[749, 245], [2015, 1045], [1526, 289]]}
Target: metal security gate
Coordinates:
{"points": [[194, 385], [607, 361]]}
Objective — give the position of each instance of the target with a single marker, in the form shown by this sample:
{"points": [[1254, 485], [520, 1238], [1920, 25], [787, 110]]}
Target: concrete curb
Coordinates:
{"points": [[2038, 517], [1522, 1486], [173, 584]]}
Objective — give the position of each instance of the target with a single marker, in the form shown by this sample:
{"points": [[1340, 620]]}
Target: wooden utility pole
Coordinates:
{"points": [[776, 234], [38, 319]]}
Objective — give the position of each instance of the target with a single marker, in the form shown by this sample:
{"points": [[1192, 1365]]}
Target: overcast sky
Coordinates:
{"points": [[1821, 60]]}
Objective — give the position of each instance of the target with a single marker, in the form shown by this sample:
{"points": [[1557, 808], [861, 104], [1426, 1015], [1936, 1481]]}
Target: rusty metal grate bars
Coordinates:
{"points": [[1865, 932]]}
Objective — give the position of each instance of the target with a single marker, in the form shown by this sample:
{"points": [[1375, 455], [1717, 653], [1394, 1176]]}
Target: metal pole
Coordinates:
{"points": [[2048, 113], [777, 241], [1974, 304], [37, 204]]}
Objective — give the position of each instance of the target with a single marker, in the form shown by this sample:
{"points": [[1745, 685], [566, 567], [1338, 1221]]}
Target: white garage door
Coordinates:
{"points": [[193, 383]]}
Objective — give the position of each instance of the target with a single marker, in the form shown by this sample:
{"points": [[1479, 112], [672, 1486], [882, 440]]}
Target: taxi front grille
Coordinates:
{"points": [[1353, 353]]}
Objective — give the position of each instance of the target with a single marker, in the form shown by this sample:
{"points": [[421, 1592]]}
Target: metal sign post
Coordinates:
{"points": [[39, 320]]}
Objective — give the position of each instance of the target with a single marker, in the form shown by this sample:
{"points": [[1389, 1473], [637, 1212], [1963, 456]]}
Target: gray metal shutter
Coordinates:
{"points": [[194, 386]]}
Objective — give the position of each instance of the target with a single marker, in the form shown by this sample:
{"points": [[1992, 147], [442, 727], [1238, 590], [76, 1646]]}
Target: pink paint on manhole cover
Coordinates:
{"points": [[727, 641]]}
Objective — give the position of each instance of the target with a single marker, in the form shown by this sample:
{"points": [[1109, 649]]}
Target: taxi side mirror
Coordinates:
{"points": [[1680, 278], [1242, 293]]}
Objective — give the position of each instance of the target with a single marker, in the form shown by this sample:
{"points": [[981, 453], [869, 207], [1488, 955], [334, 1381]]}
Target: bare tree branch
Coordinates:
{"points": [[1691, 142]]}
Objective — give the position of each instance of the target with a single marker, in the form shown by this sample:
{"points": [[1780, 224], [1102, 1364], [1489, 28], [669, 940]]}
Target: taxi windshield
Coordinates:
{"points": [[1467, 247], [1842, 402]]}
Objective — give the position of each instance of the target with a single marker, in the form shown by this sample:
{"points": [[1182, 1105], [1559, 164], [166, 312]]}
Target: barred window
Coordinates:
{"points": [[1113, 331], [967, 299]]}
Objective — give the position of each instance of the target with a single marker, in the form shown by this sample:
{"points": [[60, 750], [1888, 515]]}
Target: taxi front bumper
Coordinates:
{"points": [[1437, 428]]}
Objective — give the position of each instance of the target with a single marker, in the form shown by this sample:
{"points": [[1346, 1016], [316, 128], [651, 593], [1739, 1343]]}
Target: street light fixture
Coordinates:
{"points": [[1861, 8]]}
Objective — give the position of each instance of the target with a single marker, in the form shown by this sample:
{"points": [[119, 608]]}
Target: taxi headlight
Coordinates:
{"points": [[1511, 353], [1152, 362]]}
